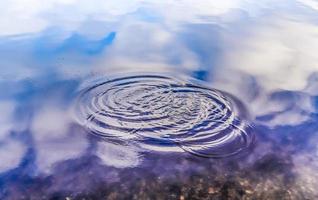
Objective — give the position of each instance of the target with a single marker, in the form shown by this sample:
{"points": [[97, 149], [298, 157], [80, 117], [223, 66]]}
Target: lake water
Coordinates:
{"points": [[159, 99]]}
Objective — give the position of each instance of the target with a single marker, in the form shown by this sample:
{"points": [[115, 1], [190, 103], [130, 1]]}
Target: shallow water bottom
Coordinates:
{"points": [[66, 160], [165, 177], [259, 57]]}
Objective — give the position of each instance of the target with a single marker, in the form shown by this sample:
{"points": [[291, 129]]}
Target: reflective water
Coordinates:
{"points": [[164, 113], [158, 100]]}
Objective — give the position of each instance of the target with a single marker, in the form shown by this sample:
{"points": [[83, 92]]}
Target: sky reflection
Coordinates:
{"points": [[262, 53]]}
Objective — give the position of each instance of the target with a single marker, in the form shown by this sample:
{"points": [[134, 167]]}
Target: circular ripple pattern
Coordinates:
{"points": [[163, 112]]}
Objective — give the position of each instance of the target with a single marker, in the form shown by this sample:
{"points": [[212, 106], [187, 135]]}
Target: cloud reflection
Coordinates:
{"points": [[268, 61], [11, 154], [267, 65], [35, 16], [6, 120], [55, 139], [310, 3], [279, 53], [11, 149], [117, 155]]}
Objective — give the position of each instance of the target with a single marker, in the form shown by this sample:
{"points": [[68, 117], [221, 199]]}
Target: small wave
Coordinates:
{"points": [[163, 112]]}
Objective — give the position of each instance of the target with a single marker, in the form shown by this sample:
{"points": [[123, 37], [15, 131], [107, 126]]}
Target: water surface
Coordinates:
{"points": [[159, 100]]}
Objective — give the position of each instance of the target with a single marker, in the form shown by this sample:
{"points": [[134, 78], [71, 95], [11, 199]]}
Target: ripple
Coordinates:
{"points": [[159, 112]]}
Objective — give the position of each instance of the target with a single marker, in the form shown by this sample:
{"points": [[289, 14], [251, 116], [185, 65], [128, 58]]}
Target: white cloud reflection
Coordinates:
{"points": [[54, 139], [11, 150], [146, 47], [11, 154], [281, 54], [310, 3], [6, 119], [117, 155], [30, 16], [270, 56]]}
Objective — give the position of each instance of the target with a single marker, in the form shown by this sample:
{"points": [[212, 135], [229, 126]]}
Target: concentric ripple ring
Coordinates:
{"points": [[162, 111]]}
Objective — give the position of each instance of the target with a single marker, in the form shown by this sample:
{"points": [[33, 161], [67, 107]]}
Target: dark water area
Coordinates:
{"points": [[159, 100]]}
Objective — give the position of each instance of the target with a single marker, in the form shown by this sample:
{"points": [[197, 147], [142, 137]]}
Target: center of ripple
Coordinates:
{"points": [[161, 112]]}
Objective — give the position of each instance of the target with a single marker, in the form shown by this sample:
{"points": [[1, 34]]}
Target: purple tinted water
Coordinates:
{"points": [[159, 100]]}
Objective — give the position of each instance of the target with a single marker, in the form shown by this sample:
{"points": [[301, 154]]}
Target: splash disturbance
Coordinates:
{"points": [[161, 112]]}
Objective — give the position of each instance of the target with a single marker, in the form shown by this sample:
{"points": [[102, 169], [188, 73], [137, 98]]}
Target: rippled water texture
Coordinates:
{"points": [[176, 99], [164, 112]]}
